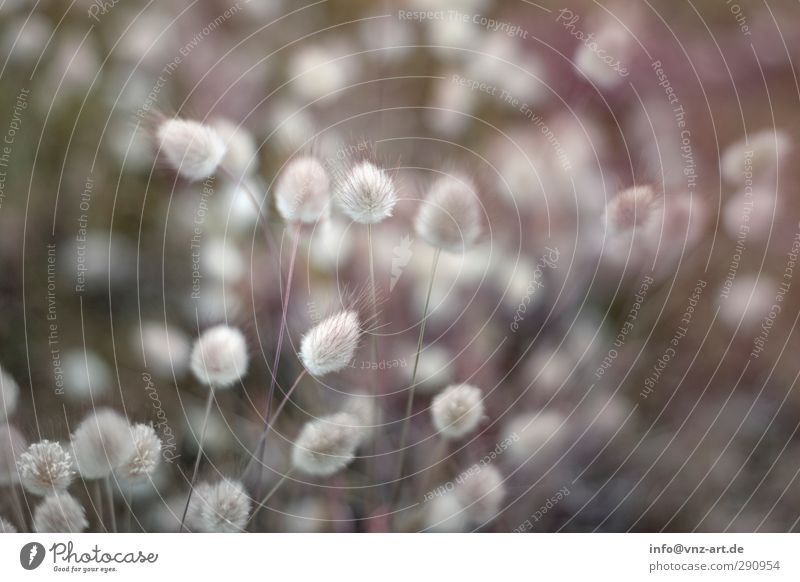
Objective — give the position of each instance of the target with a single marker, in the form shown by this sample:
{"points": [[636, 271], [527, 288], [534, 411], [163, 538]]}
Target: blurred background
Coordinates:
{"points": [[647, 379]]}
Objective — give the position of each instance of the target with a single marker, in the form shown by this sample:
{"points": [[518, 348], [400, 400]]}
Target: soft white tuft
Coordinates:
{"points": [[59, 513], [446, 514], [327, 445], [303, 191], [194, 150], [12, 445], [457, 410], [367, 193], [220, 508], [146, 454], [165, 348], [45, 467], [482, 494], [101, 443], [219, 357], [9, 395], [761, 153], [631, 208], [450, 217], [331, 344]]}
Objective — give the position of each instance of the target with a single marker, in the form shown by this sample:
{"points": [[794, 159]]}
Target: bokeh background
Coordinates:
{"points": [[629, 416]]}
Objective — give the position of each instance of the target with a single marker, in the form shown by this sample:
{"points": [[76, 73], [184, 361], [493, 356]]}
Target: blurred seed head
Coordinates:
{"points": [[327, 445], [102, 442], [366, 193], [12, 445], [450, 217], [631, 208], [446, 514], [223, 507], [6, 526], [193, 149], [9, 395], [482, 494], [303, 191], [331, 344], [59, 513], [166, 348], [219, 357], [145, 457], [45, 468], [763, 152], [457, 410]]}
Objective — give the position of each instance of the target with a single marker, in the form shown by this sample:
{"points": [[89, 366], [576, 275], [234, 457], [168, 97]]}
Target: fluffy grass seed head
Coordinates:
{"points": [[450, 216], [102, 442], [6, 526], [303, 191], [223, 507], [9, 395], [330, 345], [59, 513], [457, 410], [45, 468], [482, 494], [219, 356], [12, 445], [193, 149], [327, 445], [366, 193], [145, 456], [631, 208]]}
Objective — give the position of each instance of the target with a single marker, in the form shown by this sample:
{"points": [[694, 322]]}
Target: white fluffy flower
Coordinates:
{"points": [[327, 445], [303, 191], [446, 514], [166, 348], [101, 443], [145, 456], [457, 410], [220, 508], [482, 494], [450, 217], [59, 513], [330, 345], [631, 208], [9, 395], [367, 193], [12, 445], [194, 150], [219, 357], [45, 467], [762, 153]]}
